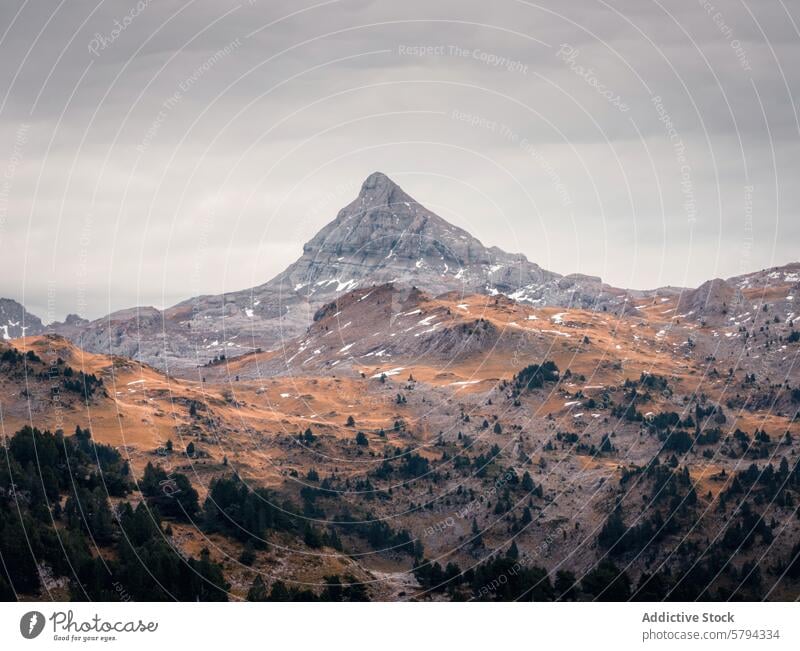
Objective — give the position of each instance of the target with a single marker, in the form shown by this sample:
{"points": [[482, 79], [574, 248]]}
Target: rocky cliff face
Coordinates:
{"points": [[383, 236], [713, 298], [15, 321]]}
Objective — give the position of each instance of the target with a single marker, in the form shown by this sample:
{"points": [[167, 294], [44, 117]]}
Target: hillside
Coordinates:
{"points": [[463, 422]]}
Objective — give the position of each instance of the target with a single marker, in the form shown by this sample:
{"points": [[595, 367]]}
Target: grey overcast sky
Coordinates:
{"points": [[157, 150]]}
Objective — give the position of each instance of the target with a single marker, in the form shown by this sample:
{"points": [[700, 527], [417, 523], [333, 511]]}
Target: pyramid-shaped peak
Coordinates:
{"points": [[376, 181], [385, 227], [378, 189]]}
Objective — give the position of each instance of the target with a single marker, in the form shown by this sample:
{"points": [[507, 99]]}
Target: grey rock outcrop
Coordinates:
{"points": [[16, 321]]}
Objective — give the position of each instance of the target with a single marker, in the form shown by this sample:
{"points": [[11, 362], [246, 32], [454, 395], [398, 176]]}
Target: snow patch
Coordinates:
{"points": [[392, 371], [346, 285]]}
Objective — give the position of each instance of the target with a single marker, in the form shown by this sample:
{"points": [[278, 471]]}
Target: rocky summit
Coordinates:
{"points": [[385, 235]]}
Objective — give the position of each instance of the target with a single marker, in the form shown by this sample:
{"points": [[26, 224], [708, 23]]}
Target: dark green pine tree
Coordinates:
{"points": [[527, 482], [476, 533], [513, 552], [565, 585], [279, 592], [257, 591]]}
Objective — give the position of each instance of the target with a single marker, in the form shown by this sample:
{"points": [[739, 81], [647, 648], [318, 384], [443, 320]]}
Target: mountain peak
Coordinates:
{"points": [[384, 228], [378, 190], [376, 181], [384, 235]]}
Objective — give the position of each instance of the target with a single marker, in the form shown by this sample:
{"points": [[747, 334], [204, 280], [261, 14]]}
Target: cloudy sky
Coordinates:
{"points": [[152, 151]]}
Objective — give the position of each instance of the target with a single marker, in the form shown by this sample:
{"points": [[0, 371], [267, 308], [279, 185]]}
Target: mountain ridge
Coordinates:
{"points": [[382, 236]]}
